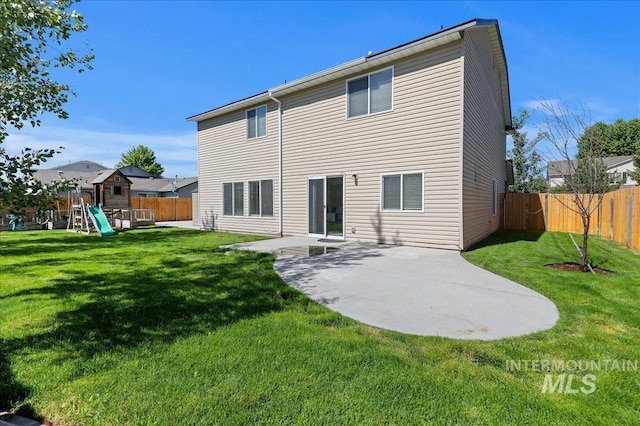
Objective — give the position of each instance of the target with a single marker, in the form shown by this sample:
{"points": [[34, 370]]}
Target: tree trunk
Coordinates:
{"points": [[586, 220]]}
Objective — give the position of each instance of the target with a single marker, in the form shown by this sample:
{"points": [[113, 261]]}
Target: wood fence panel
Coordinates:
{"points": [[617, 219], [525, 212], [166, 209], [184, 210]]}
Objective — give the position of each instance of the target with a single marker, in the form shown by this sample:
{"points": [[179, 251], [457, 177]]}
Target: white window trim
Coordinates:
{"points": [[368, 75], [401, 210], [266, 127], [260, 198], [233, 199]]}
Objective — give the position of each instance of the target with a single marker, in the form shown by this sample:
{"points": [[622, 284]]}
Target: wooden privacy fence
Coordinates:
{"points": [[617, 218], [167, 209]]}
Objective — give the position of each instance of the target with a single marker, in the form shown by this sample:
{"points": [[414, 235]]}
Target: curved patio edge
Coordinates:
{"points": [[426, 292]]}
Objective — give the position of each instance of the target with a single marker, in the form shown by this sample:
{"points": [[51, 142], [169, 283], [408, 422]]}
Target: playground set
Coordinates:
{"points": [[107, 207]]}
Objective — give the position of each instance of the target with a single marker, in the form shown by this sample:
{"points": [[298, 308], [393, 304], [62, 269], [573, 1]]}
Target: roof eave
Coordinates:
{"points": [[379, 59], [501, 63]]}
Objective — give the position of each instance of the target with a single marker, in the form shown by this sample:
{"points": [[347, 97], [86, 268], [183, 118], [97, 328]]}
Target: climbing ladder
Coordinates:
{"points": [[78, 219]]}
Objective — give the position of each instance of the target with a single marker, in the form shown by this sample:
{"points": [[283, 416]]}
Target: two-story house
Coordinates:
{"points": [[405, 146]]}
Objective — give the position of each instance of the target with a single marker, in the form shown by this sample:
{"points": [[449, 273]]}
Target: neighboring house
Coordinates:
{"points": [[143, 183], [405, 146], [618, 169], [81, 166]]}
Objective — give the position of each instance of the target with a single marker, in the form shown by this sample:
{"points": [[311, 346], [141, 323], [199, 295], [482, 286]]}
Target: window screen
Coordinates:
{"points": [[412, 191], [266, 189], [358, 96], [254, 198], [238, 199], [380, 91], [391, 192], [227, 199], [251, 123]]}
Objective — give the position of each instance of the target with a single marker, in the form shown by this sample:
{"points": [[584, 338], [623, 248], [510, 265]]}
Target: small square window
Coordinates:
{"points": [[117, 190], [116, 178]]}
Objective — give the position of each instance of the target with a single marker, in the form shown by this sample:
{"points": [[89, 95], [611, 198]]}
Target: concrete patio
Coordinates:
{"points": [[412, 290]]}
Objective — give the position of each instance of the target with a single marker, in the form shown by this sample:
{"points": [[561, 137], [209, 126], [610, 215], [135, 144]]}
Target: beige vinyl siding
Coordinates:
{"points": [[484, 139], [226, 155], [421, 134]]}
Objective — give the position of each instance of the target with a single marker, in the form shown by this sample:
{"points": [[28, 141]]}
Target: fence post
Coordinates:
{"points": [[629, 219], [611, 216], [546, 211]]}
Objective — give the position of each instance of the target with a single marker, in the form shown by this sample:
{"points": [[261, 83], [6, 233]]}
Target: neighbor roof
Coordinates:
{"points": [[358, 65], [106, 174], [83, 179], [82, 165], [564, 167], [160, 184]]}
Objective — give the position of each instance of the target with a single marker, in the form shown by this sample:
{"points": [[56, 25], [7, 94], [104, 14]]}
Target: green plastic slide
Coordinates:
{"points": [[100, 221]]}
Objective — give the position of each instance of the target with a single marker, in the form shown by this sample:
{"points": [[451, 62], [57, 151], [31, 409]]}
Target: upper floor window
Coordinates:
{"points": [[257, 122], [370, 94]]}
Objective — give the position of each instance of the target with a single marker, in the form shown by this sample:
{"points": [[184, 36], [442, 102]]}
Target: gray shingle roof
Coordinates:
{"points": [[138, 184], [47, 176], [562, 168]]}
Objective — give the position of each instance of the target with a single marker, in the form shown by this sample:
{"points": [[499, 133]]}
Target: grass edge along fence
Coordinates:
{"points": [[617, 218]]}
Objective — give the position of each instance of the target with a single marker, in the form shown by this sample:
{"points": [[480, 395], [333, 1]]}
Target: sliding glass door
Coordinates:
{"points": [[326, 206]]}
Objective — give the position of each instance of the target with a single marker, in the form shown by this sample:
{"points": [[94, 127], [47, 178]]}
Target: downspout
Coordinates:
{"points": [[279, 161]]}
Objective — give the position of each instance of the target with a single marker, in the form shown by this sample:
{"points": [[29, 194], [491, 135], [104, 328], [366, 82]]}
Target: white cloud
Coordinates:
{"points": [[539, 104], [176, 152], [599, 111]]}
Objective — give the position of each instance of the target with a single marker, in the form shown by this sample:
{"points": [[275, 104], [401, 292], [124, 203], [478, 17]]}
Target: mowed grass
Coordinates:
{"points": [[161, 326]]}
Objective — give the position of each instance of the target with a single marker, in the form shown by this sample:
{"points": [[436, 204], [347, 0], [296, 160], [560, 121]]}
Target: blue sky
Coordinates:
{"points": [[158, 62]]}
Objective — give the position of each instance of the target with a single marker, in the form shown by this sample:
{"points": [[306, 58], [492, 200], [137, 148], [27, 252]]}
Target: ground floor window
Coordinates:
{"points": [[233, 199], [261, 198], [402, 191]]}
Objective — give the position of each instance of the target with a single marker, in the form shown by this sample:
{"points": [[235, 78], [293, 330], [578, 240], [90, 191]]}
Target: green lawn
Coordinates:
{"points": [[160, 326]]}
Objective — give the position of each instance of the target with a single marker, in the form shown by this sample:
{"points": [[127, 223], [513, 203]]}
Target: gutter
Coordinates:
{"points": [[279, 161]]}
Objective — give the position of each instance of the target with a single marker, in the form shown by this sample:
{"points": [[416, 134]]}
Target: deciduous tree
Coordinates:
{"points": [[143, 157], [586, 177], [618, 138], [33, 39]]}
